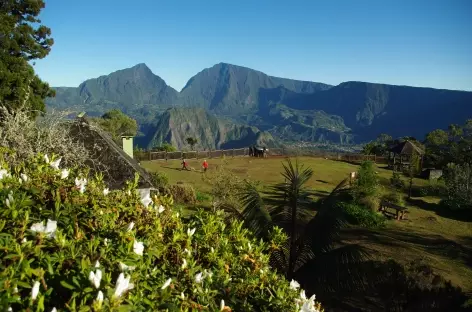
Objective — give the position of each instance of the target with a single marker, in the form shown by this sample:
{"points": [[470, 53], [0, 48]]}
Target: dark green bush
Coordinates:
{"points": [[201, 197], [396, 181], [431, 189], [183, 193], [359, 215], [394, 198], [159, 179], [366, 183]]}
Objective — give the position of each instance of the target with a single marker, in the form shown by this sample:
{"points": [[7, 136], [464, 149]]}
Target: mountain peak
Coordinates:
{"points": [[140, 65]]}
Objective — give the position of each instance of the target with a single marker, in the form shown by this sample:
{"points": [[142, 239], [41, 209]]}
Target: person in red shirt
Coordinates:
{"points": [[184, 164], [205, 165]]}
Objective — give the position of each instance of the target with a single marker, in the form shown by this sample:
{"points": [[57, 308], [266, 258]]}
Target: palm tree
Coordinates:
{"points": [[313, 254]]}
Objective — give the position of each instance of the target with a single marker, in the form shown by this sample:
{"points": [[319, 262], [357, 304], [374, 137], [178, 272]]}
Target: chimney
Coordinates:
{"points": [[128, 145]]}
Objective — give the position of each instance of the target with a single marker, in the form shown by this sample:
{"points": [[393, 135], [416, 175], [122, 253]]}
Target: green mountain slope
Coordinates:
{"points": [[136, 91], [231, 90], [370, 109], [177, 124]]}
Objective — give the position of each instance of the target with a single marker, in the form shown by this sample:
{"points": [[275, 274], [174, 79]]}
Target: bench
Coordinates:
{"points": [[400, 211]]}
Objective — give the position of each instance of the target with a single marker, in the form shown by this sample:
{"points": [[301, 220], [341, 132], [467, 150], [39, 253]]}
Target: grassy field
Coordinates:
{"points": [[428, 234]]}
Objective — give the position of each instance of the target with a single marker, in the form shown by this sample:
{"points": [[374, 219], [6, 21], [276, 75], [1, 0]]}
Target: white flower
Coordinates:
{"points": [[212, 249], [187, 251], [307, 305], [303, 295], [166, 284], [222, 305], [106, 191], [198, 278], [138, 248], [24, 177], [81, 183], [294, 284], [182, 295], [46, 159], [15, 290], [100, 296], [146, 200], [97, 264], [130, 227], [35, 290], [122, 285], [95, 278], [161, 209], [38, 227], [10, 199], [184, 264], [128, 192], [49, 229], [55, 164], [124, 267], [64, 174], [54, 309], [105, 242], [10, 309], [4, 174], [190, 232]]}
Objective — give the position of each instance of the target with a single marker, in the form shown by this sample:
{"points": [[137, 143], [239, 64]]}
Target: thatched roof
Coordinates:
{"points": [[116, 166], [406, 148]]}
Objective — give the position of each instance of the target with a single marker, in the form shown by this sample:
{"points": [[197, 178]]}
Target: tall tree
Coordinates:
{"points": [[118, 124], [192, 142], [453, 146], [21, 41]]}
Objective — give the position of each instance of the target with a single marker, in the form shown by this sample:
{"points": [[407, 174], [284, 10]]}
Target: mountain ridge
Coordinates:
{"points": [[291, 110]]}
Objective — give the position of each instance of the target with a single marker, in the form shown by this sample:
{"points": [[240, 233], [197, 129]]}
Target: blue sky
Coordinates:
{"points": [[418, 43]]}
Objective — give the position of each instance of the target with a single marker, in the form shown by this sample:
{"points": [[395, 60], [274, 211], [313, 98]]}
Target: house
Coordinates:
{"points": [[109, 159], [401, 154]]}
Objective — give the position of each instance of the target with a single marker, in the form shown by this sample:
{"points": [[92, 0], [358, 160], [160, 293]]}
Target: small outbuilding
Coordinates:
{"points": [[401, 155]]}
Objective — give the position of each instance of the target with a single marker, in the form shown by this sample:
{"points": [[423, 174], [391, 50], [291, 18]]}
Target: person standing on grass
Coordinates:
{"points": [[184, 164], [205, 165]]}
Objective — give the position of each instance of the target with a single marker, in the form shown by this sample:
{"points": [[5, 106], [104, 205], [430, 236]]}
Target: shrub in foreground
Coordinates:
{"points": [[47, 134], [394, 197], [159, 179], [360, 215], [67, 243], [183, 193], [458, 179], [366, 183]]}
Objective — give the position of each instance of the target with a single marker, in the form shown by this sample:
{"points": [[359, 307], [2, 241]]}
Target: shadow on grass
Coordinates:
{"points": [[463, 215], [322, 181], [460, 250], [390, 286], [321, 193]]}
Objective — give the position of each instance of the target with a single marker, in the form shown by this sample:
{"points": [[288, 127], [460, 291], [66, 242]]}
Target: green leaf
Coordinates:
{"points": [[67, 285]]}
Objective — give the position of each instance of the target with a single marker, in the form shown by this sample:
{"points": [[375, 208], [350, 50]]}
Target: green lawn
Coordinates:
{"points": [[427, 234], [327, 174]]}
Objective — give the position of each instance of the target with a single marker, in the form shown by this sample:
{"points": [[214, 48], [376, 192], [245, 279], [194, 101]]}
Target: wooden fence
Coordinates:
{"points": [[241, 152]]}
